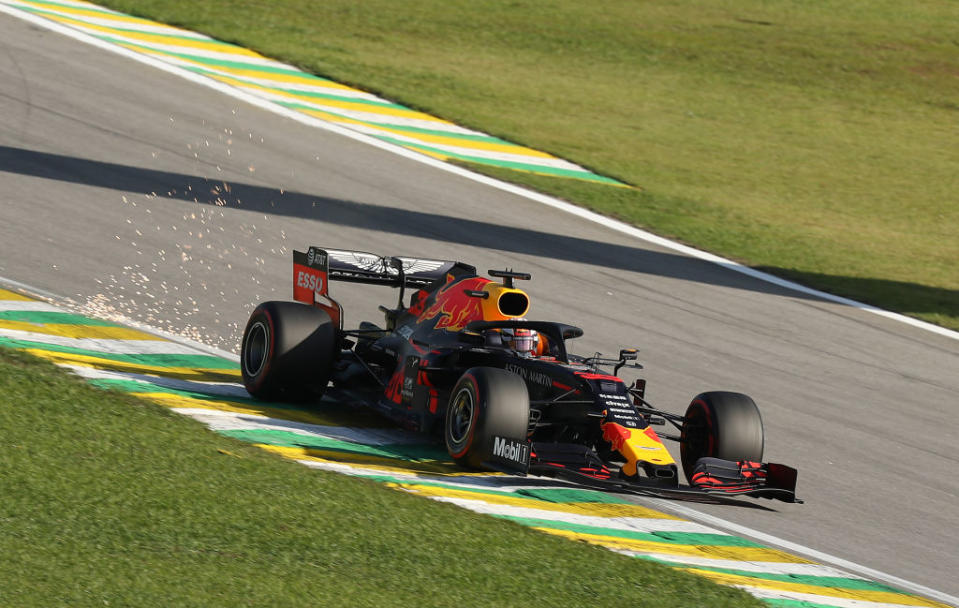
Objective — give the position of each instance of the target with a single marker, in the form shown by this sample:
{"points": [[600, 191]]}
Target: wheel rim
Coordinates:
{"points": [[256, 348], [460, 417]]}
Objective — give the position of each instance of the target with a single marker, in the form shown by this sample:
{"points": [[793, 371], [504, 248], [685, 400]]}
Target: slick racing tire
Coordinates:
{"points": [[288, 351], [485, 402], [721, 425]]}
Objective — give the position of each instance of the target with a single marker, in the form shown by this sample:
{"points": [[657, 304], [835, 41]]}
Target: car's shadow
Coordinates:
{"points": [[489, 235]]}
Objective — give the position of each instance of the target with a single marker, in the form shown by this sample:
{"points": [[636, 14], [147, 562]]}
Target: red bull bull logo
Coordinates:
{"points": [[453, 307]]}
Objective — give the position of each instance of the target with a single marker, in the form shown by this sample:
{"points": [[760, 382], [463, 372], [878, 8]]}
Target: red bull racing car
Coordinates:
{"points": [[458, 358]]}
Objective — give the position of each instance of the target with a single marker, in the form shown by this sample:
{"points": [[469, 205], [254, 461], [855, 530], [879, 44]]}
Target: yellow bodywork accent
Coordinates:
{"points": [[862, 595], [492, 310], [637, 447]]}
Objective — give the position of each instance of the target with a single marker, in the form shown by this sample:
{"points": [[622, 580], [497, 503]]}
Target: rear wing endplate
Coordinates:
{"points": [[311, 275]]}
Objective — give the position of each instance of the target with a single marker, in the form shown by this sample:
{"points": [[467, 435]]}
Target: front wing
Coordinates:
{"points": [[644, 487], [716, 480]]}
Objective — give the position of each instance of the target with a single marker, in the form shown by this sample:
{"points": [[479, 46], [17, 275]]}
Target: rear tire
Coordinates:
{"points": [[721, 425], [485, 402], [288, 351]]}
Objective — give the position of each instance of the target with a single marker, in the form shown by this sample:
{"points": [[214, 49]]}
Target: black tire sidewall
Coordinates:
{"points": [[500, 408], [254, 381], [732, 425], [300, 351]]}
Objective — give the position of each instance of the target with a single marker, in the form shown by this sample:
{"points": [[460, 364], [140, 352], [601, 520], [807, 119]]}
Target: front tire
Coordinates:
{"points": [[723, 425], [287, 351], [485, 402]]}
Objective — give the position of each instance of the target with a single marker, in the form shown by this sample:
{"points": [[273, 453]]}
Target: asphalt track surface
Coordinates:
{"points": [[134, 192]]}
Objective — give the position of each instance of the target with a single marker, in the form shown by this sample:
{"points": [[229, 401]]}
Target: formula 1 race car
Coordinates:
{"points": [[460, 360]]}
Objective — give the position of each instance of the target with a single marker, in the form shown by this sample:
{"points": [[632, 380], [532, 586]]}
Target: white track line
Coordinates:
{"points": [[30, 290], [466, 481], [838, 602], [66, 307], [103, 345], [232, 421], [798, 549], [513, 189], [629, 524], [27, 306], [224, 390], [695, 561]]}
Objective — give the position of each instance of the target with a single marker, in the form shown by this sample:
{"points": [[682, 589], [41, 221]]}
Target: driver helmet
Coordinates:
{"points": [[522, 340]]}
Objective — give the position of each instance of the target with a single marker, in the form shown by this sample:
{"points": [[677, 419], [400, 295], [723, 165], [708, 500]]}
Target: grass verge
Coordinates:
{"points": [[109, 500], [814, 141]]}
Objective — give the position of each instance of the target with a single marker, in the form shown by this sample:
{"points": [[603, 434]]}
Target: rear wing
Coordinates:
{"points": [[396, 271], [314, 269]]}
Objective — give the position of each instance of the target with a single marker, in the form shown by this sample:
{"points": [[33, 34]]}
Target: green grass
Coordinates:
{"points": [[815, 140], [107, 500]]}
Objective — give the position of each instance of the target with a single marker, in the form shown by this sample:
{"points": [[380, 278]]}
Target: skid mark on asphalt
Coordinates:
{"points": [[342, 439], [290, 88]]}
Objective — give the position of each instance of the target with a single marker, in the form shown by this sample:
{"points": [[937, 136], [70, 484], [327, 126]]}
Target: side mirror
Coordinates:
{"points": [[627, 354]]}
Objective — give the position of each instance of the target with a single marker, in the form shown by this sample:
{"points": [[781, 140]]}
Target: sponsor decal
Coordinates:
{"points": [[453, 307], [405, 331], [316, 257], [413, 265], [407, 392], [529, 375], [371, 262], [616, 435], [410, 373], [511, 451], [309, 281], [309, 275], [621, 411]]}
